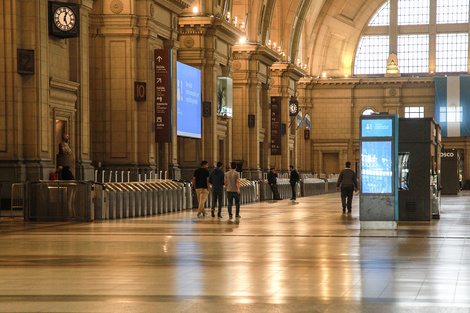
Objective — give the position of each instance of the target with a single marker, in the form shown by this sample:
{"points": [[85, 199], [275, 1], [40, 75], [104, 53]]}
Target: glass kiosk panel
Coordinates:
{"points": [[377, 175], [404, 170]]}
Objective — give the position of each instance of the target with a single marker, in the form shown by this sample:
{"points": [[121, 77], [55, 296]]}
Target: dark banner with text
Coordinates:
{"points": [[276, 131], [162, 59]]}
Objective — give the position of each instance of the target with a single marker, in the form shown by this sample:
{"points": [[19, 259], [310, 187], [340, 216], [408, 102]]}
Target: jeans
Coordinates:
{"points": [[202, 194], [230, 196], [217, 195]]}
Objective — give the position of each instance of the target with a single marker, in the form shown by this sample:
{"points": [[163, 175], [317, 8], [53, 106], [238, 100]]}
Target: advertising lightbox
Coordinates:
{"points": [[188, 101], [376, 163]]}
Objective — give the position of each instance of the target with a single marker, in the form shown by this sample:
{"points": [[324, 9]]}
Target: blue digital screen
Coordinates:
{"points": [[376, 167], [188, 101], [377, 128]]}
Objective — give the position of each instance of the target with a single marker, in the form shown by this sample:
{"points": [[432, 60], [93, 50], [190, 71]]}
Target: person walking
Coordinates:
{"points": [[293, 179], [200, 185], [217, 179], [347, 181], [232, 184], [272, 181]]}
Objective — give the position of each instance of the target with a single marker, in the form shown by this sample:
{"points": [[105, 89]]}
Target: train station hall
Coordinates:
{"points": [[339, 127]]}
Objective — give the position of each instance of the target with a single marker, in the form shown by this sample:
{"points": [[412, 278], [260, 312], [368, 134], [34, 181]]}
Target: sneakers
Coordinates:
{"points": [[213, 213], [237, 216], [219, 215], [230, 216]]}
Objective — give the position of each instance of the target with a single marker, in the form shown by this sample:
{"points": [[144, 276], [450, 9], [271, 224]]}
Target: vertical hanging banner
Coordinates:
{"points": [[162, 60], [276, 125], [452, 105]]}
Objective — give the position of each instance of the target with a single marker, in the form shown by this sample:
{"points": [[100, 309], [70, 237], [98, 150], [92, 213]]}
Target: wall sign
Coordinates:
{"points": [[162, 59], [140, 91], [25, 61], [276, 130]]}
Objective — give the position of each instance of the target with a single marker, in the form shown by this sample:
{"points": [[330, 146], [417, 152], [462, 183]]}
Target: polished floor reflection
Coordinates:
{"points": [[303, 256]]}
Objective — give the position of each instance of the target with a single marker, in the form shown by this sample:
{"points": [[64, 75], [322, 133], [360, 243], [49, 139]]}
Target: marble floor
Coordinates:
{"points": [[302, 256]]}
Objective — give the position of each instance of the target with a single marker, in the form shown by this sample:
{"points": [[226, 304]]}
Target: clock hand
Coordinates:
{"points": [[65, 17]]}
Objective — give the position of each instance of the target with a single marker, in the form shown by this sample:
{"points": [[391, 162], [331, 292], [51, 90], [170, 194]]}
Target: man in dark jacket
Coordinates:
{"points": [[272, 181], [217, 178], [347, 180], [293, 179]]}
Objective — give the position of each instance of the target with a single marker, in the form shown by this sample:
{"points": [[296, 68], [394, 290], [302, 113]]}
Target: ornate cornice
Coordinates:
{"points": [[217, 26], [294, 71], [175, 5], [262, 53]]}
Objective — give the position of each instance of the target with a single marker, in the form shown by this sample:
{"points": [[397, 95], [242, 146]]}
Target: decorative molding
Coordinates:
{"points": [[188, 42], [116, 6], [237, 65], [63, 93]]}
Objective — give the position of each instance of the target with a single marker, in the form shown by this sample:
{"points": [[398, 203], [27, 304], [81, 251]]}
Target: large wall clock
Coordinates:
{"points": [[64, 19]]}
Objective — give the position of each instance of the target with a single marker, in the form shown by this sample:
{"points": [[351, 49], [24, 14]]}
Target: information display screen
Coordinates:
{"points": [[188, 101], [377, 175], [377, 128]]}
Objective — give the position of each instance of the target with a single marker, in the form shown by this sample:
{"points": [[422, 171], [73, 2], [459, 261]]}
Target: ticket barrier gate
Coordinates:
{"points": [[133, 199], [157, 197], [141, 199], [283, 186], [188, 199], [312, 186], [331, 185], [171, 196], [127, 206]]}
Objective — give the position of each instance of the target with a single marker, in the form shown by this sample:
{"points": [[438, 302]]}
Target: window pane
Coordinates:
{"points": [[413, 53], [382, 16], [452, 52], [414, 112], [452, 11], [413, 12], [371, 55]]}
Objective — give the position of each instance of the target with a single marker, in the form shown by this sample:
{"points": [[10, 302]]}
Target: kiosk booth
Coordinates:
{"points": [[419, 148], [378, 202]]}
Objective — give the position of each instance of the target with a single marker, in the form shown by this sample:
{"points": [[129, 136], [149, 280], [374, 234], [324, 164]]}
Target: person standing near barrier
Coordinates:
{"points": [[272, 181], [217, 178], [347, 180], [293, 179], [232, 183], [201, 185]]}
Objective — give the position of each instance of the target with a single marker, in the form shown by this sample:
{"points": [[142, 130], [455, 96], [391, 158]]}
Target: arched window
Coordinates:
{"points": [[421, 47]]}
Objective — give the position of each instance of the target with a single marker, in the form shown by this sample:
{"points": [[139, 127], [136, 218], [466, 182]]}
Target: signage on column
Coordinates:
{"points": [[162, 59], [276, 131]]}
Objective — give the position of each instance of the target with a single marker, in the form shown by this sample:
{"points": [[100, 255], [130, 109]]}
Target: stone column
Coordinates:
{"points": [[251, 106], [207, 42], [285, 78]]}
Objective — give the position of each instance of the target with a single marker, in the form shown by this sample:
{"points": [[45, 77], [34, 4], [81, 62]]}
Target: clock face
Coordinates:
{"points": [[64, 18], [293, 108]]}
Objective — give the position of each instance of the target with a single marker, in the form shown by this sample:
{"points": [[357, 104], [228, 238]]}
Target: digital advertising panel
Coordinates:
{"points": [[377, 128], [188, 101], [377, 175]]}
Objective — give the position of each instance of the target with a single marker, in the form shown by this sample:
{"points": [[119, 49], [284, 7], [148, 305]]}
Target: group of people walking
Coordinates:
{"points": [[203, 180]]}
